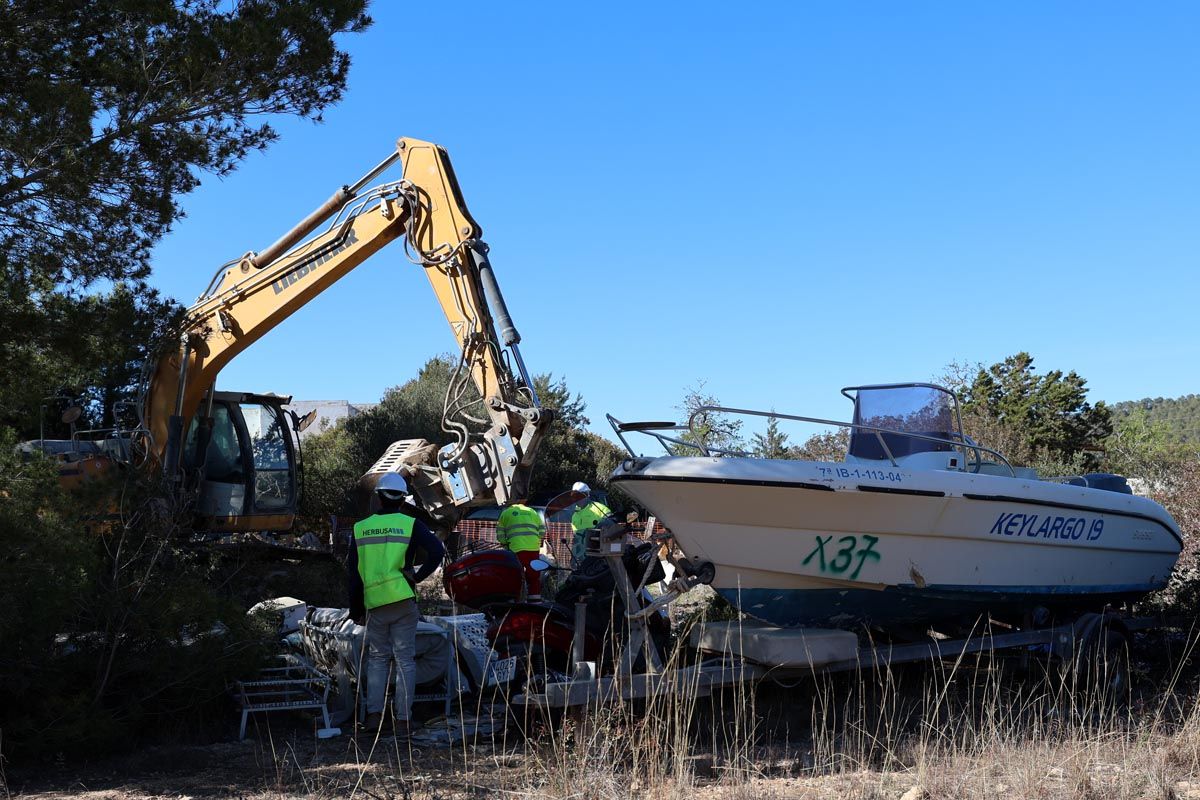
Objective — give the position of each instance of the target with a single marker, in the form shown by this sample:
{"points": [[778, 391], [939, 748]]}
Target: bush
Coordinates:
{"points": [[1180, 495], [1169, 474], [113, 632]]}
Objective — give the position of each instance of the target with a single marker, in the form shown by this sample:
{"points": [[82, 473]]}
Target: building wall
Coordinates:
{"points": [[329, 413]]}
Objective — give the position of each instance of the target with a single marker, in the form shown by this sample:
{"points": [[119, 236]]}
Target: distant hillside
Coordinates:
{"points": [[1181, 415]]}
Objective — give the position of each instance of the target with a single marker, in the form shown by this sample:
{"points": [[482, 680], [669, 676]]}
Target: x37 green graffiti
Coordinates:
{"points": [[844, 557]]}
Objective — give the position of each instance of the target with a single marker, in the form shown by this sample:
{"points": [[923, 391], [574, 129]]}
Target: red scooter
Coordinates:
{"points": [[541, 636]]}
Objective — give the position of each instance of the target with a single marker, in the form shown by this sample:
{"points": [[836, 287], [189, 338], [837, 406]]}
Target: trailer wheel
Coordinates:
{"points": [[536, 666], [1102, 665]]}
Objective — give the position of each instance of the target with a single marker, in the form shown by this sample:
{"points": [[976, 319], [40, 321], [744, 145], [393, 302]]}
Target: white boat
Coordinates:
{"points": [[918, 525]]}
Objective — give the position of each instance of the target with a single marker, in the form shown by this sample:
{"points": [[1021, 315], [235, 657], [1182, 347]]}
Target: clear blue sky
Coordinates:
{"points": [[778, 199]]}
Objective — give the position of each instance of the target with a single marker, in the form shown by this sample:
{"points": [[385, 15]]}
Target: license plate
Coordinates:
{"points": [[504, 670]]}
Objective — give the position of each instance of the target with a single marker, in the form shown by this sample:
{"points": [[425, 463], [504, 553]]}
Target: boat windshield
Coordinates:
{"points": [[910, 408]]}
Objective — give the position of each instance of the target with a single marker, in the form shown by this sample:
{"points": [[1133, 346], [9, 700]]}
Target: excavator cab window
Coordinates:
{"points": [[223, 461], [248, 468], [223, 470], [269, 452]]}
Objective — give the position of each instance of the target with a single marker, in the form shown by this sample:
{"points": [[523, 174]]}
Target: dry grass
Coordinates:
{"points": [[974, 728]]}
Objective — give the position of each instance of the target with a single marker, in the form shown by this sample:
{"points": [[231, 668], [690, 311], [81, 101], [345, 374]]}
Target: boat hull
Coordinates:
{"points": [[912, 608], [806, 543]]}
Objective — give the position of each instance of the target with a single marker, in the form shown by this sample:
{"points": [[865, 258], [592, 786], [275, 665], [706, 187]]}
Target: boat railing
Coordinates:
{"points": [[654, 429]]}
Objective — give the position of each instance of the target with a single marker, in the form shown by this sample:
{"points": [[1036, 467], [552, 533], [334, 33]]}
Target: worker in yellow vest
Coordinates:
{"points": [[584, 519], [521, 530], [382, 588]]}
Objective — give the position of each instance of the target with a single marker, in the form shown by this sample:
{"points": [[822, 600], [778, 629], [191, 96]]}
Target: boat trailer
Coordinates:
{"points": [[746, 651]]}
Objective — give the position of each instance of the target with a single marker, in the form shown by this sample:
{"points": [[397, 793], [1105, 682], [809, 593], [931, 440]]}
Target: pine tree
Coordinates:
{"points": [[111, 113], [773, 443], [1035, 417]]}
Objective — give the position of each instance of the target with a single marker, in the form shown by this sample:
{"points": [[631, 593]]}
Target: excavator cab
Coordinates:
{"points": [[247, 477]]}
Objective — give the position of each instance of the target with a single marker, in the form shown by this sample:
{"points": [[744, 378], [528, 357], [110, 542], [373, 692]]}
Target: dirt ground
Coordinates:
{"points": [[300, 767], [285, 760], [259, 770], [291, 766]]}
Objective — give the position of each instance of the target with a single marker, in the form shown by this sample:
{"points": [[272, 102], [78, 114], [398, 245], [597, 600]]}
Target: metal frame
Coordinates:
{"points": [[651, 429], [910, 385], [293, 687], [607, 541], [1066, 642]]}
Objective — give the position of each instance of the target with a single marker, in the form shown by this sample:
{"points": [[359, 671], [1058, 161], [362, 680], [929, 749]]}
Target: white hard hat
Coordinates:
{"points": [[580, 486], [391, 486]]}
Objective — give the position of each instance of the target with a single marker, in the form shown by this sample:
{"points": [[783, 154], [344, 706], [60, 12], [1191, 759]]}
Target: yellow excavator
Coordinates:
{"points": [[234, 454]]}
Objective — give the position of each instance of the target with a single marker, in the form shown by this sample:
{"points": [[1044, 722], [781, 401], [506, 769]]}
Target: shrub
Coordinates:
{"points": [[113, 632]]}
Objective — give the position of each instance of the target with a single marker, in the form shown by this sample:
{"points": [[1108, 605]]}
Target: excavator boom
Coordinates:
{"points": [[249, 297]]}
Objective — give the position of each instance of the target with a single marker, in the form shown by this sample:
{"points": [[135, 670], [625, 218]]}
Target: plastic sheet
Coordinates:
{"points": [[332, 641]]}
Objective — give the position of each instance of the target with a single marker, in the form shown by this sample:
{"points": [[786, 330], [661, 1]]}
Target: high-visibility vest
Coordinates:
{"points": [[382, 544], [520, 529], [583, 521], [587, 517]]}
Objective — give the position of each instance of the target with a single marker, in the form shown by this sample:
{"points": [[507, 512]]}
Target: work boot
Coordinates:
{"points": [[404, 729], [373, 722]]}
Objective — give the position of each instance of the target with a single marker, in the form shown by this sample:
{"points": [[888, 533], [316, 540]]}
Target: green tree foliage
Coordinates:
{"points": [[710, 430], [1141, 448], [771, 443], [1180, 495], [45, 562], [111, 112], [112, 109], [412, 410], [331, 471], [91, 348], [569, 452], [828, 446], [1180, 416], [336, 458], [1035, 418], [608, 457]]}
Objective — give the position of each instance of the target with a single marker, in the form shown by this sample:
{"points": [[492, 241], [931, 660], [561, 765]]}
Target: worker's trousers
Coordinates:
{"points": [[533, 578], [392, 633]]}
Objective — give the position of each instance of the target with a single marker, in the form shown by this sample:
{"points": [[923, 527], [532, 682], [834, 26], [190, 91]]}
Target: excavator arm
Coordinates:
{"points": [[249, 297]]}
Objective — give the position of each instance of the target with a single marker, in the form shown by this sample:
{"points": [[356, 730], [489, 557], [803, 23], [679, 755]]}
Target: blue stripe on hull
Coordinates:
{"points": [[908, 605]]}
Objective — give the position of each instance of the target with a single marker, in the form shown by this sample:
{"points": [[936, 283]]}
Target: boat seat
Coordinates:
{"points": [[992, 468], [775, 647]]}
